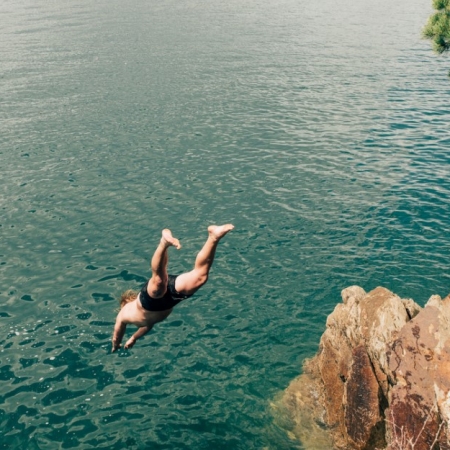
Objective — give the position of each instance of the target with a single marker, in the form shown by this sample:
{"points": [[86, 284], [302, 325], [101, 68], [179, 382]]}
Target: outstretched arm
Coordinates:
{"points": [[139, 333], [119, 331]]}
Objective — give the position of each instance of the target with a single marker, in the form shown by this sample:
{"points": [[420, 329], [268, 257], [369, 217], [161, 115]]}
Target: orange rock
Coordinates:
{"points": [[381, 378]]}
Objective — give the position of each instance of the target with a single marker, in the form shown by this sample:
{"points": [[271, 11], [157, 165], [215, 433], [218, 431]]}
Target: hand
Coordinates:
{"points": [[130, 342], [115, 347]]}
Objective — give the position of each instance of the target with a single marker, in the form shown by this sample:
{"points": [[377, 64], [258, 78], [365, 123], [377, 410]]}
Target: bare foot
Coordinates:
{"points": [[219, 231], [168, 240]]}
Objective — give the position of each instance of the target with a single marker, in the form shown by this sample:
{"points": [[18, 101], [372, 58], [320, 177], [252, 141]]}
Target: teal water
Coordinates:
{"points": [[320, 129]]}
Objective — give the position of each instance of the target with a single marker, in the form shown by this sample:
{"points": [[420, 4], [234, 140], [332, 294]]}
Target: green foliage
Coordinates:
{"points": [[441, 4], [437, 28]]}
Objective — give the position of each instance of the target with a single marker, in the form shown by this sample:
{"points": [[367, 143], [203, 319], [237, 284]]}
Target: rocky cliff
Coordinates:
{"points": [[381, 377]]}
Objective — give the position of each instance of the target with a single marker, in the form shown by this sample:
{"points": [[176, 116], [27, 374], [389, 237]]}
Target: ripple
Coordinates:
{"points": [[328, 151]]}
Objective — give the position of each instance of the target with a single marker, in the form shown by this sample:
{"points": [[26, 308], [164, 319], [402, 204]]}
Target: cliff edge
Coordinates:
{"points": [[381, 377]]}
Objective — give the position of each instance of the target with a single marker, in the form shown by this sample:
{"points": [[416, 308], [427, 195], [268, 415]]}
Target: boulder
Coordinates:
{"points": [[418, 359], [381, 377]]}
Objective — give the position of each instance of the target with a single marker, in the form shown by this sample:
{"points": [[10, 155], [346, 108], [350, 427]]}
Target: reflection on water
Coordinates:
{"points": [[321, 135]]}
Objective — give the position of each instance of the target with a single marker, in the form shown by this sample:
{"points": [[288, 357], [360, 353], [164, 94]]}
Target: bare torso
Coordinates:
{"points": [[133, 313]]}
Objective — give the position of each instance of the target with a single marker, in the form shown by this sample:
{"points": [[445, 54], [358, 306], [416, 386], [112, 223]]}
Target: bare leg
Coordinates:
{"points": [[157, 285], [189, 282]]}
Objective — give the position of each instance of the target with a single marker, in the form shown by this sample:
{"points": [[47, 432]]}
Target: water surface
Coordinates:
{"points": [[319, 130]]}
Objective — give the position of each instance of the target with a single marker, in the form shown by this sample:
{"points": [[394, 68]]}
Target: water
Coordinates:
{"points": [[320, 129]]}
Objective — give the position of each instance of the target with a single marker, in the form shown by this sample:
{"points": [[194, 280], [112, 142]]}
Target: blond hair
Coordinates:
{"points": [[127, 297]]}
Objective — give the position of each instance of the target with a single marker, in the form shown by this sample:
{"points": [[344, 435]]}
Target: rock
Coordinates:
{"points": [[383, 315], [352, 294], [381, 377], [412, 308], [363, 419], [419, 361]]}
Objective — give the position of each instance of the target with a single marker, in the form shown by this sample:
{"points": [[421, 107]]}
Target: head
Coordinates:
{"points": [[127, 297]]}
